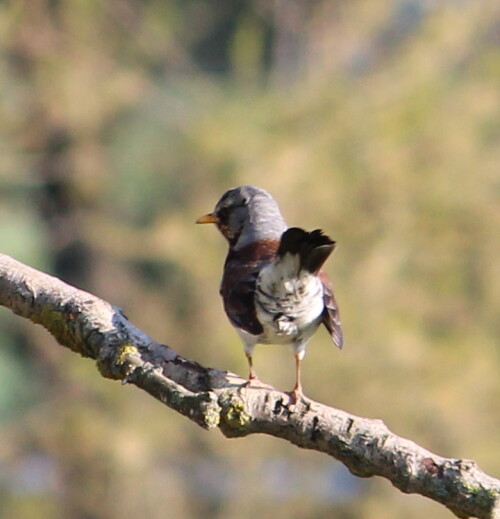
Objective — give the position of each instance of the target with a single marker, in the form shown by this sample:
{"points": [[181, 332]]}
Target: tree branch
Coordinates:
{"points": [[214, 398]]}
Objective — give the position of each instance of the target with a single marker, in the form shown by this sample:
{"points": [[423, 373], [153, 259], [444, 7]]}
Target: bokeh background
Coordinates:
{"points": [[122, 121]]}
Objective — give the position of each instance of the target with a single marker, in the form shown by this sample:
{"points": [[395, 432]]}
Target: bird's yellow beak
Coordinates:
{"points": [[208, 218]]}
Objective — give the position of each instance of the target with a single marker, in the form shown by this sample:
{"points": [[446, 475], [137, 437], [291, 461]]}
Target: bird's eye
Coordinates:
{"points": [[223, 213]]}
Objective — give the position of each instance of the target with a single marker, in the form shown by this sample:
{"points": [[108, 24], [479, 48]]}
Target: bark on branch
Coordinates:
{"points": [[218, 399]]}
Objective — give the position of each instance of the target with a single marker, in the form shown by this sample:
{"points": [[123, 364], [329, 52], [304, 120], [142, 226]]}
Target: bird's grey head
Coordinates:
{"points": [[246, 214]]}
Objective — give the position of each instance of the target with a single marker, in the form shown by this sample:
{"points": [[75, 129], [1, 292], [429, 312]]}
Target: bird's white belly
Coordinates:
{"points": [[289, 310]]}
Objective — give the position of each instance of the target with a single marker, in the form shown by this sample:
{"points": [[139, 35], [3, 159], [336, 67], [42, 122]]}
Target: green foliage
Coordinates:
{"points": [[123, 121]]}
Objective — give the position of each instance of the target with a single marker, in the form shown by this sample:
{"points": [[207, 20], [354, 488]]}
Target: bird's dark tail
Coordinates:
{"points": [[313, 247]]}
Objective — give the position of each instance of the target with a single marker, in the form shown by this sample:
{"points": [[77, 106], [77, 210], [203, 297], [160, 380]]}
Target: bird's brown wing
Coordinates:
{"points": [[237, 289], [331, 316]]}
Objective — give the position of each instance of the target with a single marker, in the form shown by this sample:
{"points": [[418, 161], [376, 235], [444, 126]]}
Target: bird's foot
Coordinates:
{"points": [[255, 382], [249, 381], [296, 395]]}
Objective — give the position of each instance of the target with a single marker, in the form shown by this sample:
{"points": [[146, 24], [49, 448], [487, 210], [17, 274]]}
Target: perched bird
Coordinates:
{"points": [[273, 288]]}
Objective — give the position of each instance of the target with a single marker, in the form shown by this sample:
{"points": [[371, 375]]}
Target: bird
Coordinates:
{"points": [[273, 287]]}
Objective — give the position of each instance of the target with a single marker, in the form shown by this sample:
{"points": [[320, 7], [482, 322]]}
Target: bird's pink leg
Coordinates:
{"points": [[251, 374], [297, 393]]}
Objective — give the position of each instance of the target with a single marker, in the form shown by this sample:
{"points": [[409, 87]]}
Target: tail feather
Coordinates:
{"points": [[313, 247]]}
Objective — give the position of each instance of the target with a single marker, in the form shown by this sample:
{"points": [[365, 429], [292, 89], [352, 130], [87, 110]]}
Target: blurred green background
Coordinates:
{"points": [[122, 121]]}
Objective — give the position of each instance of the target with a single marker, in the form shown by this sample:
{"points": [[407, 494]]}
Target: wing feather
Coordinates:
{"points": [[331, 316], [241, 270]]}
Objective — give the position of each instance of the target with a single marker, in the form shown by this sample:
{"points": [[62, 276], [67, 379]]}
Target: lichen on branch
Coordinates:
{"points": [[217, 399]]}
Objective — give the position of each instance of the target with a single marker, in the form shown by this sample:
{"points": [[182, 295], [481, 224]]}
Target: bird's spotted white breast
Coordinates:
{"points": [[289, 302]]}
